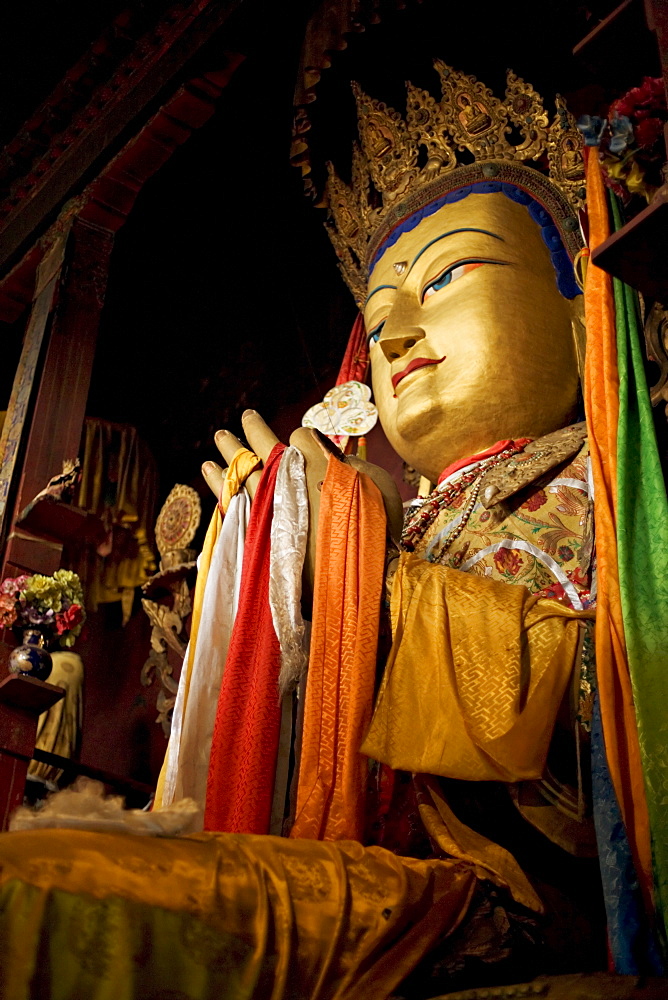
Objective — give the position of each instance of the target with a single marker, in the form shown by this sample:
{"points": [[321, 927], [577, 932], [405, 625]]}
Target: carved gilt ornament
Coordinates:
{"points": [[396, 156]]}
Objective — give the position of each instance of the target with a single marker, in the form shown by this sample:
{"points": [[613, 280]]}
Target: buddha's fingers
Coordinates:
{"points": [[316, 450], [315, 454], [214, 476], [315, 464], [252, 481], [227, 444], [394, 507], [259, 435]]}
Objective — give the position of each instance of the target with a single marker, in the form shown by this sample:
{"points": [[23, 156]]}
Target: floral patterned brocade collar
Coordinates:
{"points": [[506, 478], [496, 449], [495, 475]]}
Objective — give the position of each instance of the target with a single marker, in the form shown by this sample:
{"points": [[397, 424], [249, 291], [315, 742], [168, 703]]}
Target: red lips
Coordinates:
{"points": [[412, 366]]}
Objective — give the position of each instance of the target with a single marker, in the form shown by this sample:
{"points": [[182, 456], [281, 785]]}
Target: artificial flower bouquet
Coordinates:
{"points": [[630, 140], [52, 604]]}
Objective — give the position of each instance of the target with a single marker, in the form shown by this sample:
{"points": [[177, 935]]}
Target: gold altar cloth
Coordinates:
{"points": [[475, 676], [216, 916]]}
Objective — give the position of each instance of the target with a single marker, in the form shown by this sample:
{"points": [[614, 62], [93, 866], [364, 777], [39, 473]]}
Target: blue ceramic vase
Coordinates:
{"points": [[31, 658]]}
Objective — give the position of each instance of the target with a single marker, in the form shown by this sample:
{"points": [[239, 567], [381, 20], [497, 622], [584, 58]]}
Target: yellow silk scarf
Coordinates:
{"points": [[243, 463], [213, 531], [216, 916], [475, 676]]}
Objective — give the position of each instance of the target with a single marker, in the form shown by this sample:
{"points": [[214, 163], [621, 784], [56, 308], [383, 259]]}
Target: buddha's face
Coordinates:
{"points": [[471, 341]]}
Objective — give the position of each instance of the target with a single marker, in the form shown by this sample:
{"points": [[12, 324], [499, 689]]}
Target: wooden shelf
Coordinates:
{"points": [[47, 517], [29, 694], [638, 253], [621, 50], [605, 29], [136, 793]]}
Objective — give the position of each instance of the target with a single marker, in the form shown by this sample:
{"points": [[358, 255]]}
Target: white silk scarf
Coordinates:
{"points": [[289, 530], [172, 755], [189, 765]]}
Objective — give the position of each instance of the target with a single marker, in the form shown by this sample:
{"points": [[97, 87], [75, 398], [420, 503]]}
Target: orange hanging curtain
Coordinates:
{"points": [[601, 392], [342, 667]]}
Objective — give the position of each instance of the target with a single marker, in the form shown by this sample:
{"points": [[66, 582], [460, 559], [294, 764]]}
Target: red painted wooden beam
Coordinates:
{"points": [[153, 61], [60, 403], [17, 288], [108, 200]]}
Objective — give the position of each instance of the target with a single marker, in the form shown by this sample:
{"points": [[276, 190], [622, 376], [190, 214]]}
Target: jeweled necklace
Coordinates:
{"points": [[421, 517]]}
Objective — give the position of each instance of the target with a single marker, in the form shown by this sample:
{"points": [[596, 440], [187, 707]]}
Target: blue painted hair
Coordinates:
{"points": [[561, 261]]}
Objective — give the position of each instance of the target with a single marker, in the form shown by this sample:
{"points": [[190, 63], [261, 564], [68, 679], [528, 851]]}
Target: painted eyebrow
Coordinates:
{"points": [[452, 232], [379, 289]]}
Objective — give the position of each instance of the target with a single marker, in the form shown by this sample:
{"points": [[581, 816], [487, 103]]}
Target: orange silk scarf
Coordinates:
{"points": [[342, 668], [601, 392]]}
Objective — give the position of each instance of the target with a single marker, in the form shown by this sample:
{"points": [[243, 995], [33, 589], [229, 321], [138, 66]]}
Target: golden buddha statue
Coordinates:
{"points": [[474, 119], [476, 343], [476, 346], [571, 159], [380, 140]]}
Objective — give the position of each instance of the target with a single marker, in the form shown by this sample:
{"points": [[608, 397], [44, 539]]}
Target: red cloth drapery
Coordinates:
{"points": [[245, 738], [356, 359]]}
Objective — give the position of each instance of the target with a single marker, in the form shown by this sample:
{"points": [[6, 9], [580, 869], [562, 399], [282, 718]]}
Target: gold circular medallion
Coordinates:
{"points": [[178, 520]]}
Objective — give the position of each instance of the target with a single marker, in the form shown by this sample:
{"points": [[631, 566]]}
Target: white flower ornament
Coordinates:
{"points": [[346, 410]]}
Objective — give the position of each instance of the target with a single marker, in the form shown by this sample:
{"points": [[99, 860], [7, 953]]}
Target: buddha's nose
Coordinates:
{"points": [[395, 343]]}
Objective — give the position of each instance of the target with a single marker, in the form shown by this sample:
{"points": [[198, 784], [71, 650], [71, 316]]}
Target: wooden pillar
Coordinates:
{"points": [[656, 12], [27, 373], [22, 700], [67, 308]]}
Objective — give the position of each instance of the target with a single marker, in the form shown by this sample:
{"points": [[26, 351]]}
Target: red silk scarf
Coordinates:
{"points": [[245, 738], [355, 362]]}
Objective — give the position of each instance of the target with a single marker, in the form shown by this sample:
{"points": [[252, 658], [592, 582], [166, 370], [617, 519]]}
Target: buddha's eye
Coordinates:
{"points": [[374, 336], [453, 272]]}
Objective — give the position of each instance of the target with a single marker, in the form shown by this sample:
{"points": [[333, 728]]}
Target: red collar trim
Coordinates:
{"points": [[500, 446]]}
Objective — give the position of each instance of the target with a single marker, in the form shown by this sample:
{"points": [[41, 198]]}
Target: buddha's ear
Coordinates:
{"points": [[579, 333]]}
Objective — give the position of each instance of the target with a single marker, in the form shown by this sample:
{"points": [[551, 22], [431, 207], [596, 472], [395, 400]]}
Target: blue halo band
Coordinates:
{"points": [[561, 261]]}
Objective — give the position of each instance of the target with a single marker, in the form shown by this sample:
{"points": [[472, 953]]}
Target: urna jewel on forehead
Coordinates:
{"points": [[388, 186]]}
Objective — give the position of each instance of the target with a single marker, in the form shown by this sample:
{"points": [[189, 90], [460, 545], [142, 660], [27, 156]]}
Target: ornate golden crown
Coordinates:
{"points": [[468, 119]]}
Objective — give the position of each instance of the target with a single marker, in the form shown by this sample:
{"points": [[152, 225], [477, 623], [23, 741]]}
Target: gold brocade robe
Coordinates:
{"points": [[479, 670], [493, 666]]}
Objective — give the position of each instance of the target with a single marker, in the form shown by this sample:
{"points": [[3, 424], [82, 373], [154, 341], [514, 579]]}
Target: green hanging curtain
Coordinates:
{"points": [[642, 538]]}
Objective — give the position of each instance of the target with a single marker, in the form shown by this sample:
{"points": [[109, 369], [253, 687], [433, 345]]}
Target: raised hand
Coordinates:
{"points": [[262, 440]]}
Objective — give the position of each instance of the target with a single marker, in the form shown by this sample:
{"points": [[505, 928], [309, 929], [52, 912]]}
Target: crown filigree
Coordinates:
{"points": [[397, 157]]}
